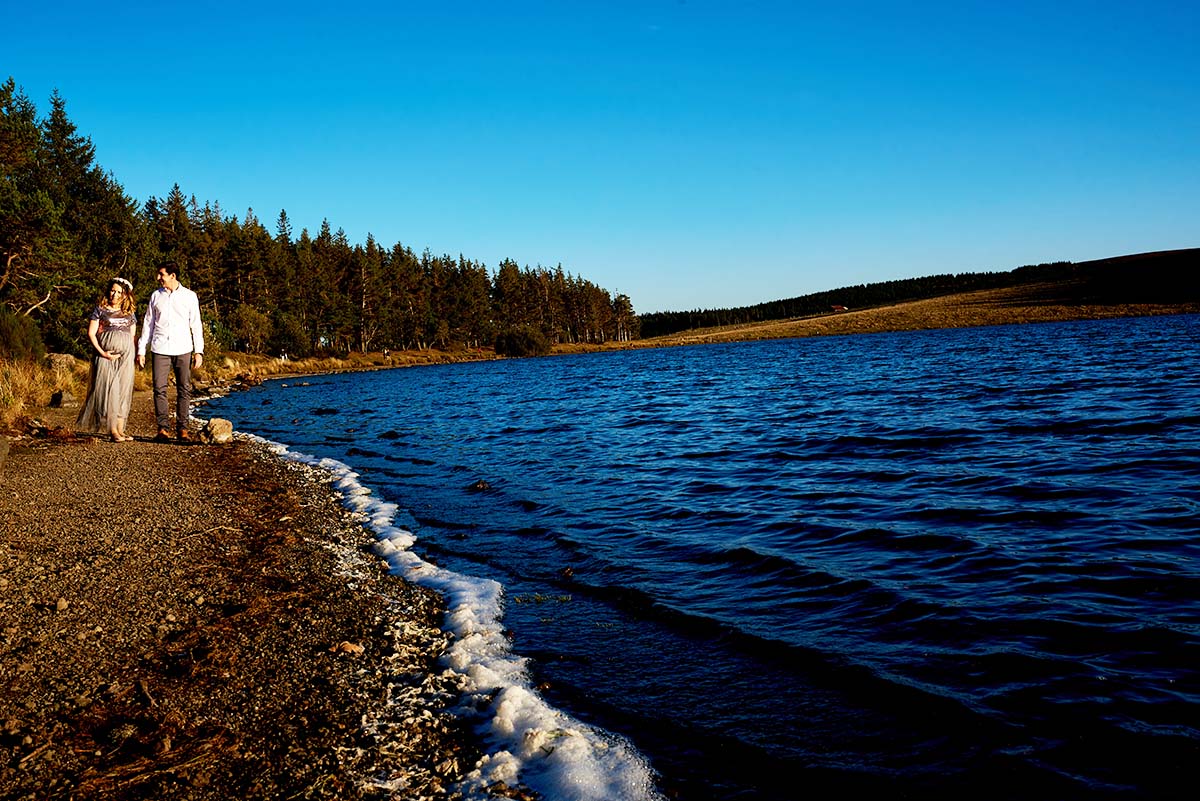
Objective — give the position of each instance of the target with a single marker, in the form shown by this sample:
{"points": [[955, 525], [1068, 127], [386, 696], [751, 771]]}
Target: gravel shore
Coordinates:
{"points": [[196, 621]]}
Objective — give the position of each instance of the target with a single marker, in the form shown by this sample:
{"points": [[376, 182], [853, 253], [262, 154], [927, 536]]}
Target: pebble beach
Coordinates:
{"points": [[200, 621]]}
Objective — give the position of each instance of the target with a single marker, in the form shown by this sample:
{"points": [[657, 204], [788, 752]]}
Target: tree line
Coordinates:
{"points": [[67, 226], [861, 296]]}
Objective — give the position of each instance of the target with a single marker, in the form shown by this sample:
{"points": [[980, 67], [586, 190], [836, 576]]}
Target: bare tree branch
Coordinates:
{"points": [[43, 300], [8, 268]]}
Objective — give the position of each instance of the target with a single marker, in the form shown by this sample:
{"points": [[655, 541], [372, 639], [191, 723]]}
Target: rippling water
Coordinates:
{"points": [[928, 564]]}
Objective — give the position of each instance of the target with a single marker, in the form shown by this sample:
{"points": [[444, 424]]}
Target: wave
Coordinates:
{"points": [[1098, 428], [527, 741]]}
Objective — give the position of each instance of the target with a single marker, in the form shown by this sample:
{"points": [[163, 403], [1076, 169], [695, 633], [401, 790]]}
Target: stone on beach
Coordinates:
{"points": [[217, 431]]}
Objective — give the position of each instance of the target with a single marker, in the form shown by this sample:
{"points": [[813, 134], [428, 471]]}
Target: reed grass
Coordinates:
{"points": [[26, 387]]}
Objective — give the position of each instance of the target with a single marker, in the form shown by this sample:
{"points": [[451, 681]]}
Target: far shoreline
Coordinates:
{"points": [[1012, 306]]}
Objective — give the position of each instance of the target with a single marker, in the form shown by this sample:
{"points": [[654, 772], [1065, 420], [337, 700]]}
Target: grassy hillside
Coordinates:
{"points": [[1167, 282], [1168, 277]]}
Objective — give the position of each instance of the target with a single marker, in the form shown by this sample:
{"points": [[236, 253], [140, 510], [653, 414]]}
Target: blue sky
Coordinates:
{"points": [[689, 154]]}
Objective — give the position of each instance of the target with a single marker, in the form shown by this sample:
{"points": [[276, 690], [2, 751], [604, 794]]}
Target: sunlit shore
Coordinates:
{"points": [[1011, 306]]}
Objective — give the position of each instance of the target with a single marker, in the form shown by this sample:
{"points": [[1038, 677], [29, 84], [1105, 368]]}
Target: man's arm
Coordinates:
{"points": [[147, 332], [197, 331]]}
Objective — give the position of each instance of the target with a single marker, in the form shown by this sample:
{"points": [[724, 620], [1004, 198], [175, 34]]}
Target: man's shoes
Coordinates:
{"points": [[162, 436], [185, 435]]}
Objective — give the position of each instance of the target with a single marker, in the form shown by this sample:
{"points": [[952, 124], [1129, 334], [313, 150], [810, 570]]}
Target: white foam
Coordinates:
{"points": [[527, 741]]}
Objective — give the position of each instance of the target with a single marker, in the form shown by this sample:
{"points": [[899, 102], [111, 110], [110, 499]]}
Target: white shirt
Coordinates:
{"points": [[172, 325]]}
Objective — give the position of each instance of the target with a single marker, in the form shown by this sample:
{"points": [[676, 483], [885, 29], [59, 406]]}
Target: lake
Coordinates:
{"points": [[953, 563]]}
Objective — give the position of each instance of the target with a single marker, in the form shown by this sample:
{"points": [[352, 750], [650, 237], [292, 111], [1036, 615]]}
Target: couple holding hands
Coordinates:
{"points": [[175, 337]]}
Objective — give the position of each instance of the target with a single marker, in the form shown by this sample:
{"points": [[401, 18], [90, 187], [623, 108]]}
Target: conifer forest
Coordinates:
{"points": [[67, 226]]}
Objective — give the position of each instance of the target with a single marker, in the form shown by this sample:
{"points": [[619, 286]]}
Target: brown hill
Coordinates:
{"points": [[1166, 282]]}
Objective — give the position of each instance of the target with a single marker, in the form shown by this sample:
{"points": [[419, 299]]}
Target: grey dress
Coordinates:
{"points": [[110, 384]]}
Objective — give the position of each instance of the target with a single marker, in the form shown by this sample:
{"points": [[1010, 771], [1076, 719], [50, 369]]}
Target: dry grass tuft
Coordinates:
{"points": [[26, 386], [18, 385]]}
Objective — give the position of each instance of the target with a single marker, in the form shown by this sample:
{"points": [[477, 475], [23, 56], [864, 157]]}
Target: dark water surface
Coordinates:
{"points": [[960, 563]]}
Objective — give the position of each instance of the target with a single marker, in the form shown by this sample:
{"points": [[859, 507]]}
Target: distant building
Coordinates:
{"points": [[838, 308]]}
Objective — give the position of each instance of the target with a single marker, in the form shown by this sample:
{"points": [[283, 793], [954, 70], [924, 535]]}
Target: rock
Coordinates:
{"points": [[480, 486], [61, 362], [217, 431], [247, 380], [62, 604], [63, 398]]}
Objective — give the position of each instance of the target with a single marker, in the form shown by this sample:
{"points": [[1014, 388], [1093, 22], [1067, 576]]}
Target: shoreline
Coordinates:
{"points": [[208, 622], [985, 308], [208, 645]]}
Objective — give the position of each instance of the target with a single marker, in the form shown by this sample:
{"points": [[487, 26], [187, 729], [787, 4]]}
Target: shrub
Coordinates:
{"points": [[20, 337], [217, 338], [290, 337], [251, 328], [522, 342]]}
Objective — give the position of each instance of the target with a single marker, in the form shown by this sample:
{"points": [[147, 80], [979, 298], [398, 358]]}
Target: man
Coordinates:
{"points": [[172, 330]]}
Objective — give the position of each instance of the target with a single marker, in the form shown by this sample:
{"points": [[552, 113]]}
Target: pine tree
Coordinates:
{"points": [[33, 241], [209, 242], [371, 286]]}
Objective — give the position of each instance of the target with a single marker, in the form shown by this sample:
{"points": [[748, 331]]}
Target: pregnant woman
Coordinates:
{"points": [[110, 384]]}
